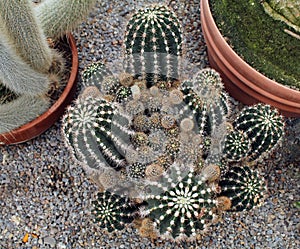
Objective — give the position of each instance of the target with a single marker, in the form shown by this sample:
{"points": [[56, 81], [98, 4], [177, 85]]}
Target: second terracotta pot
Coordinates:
{"points": [[242, 81]]}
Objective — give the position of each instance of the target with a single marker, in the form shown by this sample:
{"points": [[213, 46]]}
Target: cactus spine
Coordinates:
{"points": [[31, 107], [153, 44], [171, 139], [18, 76], [183, 208], [112, 211]]}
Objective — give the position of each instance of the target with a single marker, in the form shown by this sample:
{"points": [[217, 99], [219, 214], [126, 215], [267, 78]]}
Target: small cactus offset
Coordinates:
{"points": [[205, 97], [263, 126], [153, 44], [94, 74], [237, 146], [182, 207], [112, 212], [244, 187]]}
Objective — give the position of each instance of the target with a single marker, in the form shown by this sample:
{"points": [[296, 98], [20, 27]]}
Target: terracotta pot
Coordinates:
{"points": [[242, 81], [47, 119]]}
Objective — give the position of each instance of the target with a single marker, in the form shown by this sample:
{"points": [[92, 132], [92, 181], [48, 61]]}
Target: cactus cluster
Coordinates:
{"points": [[166, 143], [260, 128], [29, 65]]}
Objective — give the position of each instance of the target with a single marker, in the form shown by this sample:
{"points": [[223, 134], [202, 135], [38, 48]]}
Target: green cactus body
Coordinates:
{"points": [[94, 74], [96, 132], [112, 212], [237, 146], [264, 127], [153, 44], [23, 31], [206, 98], [59, 17], [182, 206], [244, 187]]}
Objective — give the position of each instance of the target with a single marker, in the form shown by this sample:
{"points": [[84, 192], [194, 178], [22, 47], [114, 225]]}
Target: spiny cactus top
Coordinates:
{"points": [[112, 211], [153, 44], [263, 126], [182, 205], [244, 187]]}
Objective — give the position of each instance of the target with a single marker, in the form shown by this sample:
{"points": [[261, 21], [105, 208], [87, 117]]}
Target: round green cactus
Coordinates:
{"points": [[95, 131], [112, 211], [153, 43], [237, 146], [95, 74], [244, 187], [182, 206], [264, 127]]}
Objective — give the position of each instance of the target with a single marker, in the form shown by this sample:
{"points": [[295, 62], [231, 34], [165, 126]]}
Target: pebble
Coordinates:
{"points": [[43, 192]]}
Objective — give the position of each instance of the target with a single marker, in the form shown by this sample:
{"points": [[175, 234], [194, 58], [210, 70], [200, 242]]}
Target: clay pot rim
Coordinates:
{"points": [[265, 86], [29, 130]]}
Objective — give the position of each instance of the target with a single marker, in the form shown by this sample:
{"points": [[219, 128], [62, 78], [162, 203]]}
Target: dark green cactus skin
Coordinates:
{"points": [[244, 187], [153, 44], [183, 210], [96, 131], [237, 146], [96, 74], [112, 211], [136, 170], [264, 127], [207, 100]]}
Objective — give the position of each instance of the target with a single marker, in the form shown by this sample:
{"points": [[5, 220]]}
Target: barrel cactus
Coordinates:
{"points": [[263, 126], [29, 67], [153, 44], [112, 212], [182, 206]]}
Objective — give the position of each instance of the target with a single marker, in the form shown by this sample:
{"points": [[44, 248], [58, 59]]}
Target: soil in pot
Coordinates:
{"points": [[264, 43]]}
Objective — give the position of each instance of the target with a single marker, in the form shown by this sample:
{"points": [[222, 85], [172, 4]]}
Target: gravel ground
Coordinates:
{"points": [[47, 197]]}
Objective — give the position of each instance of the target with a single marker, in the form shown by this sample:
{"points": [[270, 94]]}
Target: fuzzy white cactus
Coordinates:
{"points": [[29, 67]]}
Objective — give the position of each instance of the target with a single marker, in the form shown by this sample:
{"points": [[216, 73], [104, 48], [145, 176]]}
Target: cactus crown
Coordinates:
{"points": [[182, 208]]}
